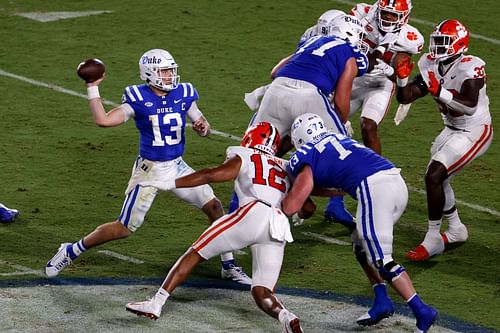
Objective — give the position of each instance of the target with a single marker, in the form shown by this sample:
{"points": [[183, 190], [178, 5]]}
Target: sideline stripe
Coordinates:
{"points": [[219, 133], [430, 24], [120, 256], [444, 320]]}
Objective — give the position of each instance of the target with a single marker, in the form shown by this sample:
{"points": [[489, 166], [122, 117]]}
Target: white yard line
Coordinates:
{"points": [[21, 270], [219, 133], [430, 24], [121, 256], [326, 239]]}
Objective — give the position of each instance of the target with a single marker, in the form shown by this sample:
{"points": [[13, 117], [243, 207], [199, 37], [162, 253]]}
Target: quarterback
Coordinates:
{"points": [[457, 82], [160, 108]]}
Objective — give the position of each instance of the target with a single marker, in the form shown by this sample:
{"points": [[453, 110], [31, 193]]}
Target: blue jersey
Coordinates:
{"points": [[321, 61], [338, 162], [161, 120]]}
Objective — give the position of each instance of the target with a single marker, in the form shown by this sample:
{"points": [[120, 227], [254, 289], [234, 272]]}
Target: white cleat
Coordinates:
{"points": [[59, 261], [236, 274], [149, 309]]}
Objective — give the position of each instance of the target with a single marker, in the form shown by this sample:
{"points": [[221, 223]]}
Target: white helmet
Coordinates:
{"points": [[325, 19], [152, 63], [349, 27], [307, 128]]}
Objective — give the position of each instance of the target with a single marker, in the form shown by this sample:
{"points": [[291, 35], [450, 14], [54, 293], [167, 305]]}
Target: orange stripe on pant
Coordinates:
{"points": [[225, 224], [471, 154]]}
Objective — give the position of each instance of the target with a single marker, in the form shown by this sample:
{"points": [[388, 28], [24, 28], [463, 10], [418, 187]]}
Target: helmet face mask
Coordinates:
{"points": [[159, 69], [449, 38], [393, 14], [307, 128], [262, 136]]}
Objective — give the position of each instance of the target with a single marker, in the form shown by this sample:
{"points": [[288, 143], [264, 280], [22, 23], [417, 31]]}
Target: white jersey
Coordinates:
{"points": [[408, 39], [262, 176], [465, 68]]}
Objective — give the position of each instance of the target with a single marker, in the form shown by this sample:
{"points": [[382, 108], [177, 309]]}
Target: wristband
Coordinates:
{"points": [[380, 48], [445, 96], [402, 82], [93, 92]]}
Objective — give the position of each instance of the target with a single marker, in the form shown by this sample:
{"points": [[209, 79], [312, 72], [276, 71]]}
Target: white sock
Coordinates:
{"points": [[161, 296], [283, 315], [453, 218], [78, 247], [226, 256], [434, 225]]}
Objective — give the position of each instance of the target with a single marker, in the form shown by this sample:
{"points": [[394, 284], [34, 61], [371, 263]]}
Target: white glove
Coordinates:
{"points": [[162, 186], [349, 129], [401, 113], [296, 220], [382, 68]]}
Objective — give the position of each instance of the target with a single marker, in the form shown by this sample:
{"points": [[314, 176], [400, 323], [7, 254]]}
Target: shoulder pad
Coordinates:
{"points": [[360, 10], [471, 67], [232, 151], [410, 40]]}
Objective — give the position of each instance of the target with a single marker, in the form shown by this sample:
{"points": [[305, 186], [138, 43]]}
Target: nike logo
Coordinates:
{"points": [[453, 76], [177, 100]]}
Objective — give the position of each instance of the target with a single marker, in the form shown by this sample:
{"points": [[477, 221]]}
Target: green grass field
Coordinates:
{"points": [[67, 176]]}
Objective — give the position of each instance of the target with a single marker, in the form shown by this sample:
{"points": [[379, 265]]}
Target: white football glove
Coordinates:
{"points": [[401, 113], [348, 127], [382, 68], [162, 186], [296, 220]]}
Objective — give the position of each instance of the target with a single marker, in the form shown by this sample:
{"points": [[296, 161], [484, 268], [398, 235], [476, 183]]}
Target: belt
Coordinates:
{"points": [[456, 129]]}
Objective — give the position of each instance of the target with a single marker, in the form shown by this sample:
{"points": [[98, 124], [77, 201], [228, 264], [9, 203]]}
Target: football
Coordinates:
{"points": [[90, 70]]}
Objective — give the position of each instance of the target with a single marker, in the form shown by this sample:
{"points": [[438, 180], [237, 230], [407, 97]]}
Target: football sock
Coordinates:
{"points": [[434, 225], [161, 296], [76, 249], [227, 264], [227, 257], [453, 218], [283, 315]]}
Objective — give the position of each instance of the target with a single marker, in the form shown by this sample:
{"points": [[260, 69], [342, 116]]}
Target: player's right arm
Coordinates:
{"points": [[342, 97], [224, 172], [115, 117], [299, 193]]}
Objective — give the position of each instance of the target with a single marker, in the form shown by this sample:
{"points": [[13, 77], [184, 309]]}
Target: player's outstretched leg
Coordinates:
{"points": [[335, 212], [8, 215], [382, 307]]}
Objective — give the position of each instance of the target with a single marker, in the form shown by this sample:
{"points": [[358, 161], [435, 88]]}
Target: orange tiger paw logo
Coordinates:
{"points": [[411, 35]]}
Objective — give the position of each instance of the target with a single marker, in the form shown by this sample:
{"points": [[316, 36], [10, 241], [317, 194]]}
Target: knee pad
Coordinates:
{"points": [[360, 255], [390, 271]]}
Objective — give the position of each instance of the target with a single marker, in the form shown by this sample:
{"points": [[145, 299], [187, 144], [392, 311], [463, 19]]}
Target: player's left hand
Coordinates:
{"points": [[434, 86], [382, 68], [202, 127]]}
